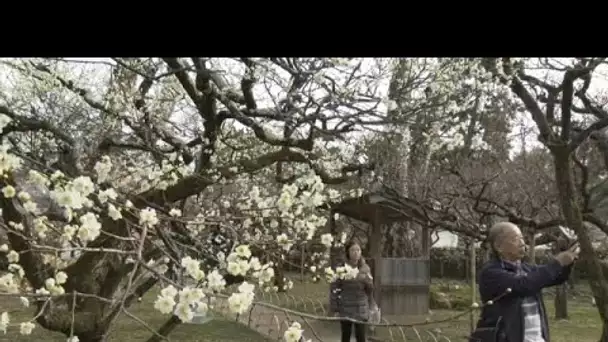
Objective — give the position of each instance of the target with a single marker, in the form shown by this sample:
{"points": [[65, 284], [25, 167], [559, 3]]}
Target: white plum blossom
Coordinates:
{"points": [[30, 206], [254, 264], [184, 312], [243, 251], [327, 239], [193, 268], [114, 212], [12, 257], [347, 272], [267, 274], [37, 178], [24, 301], [293, 333], [9, 191], [16, 269], [83, 185], [235, 269], [147, 217], [215, 281], [164, 304], [245, 287], [26, 328], [68, 198], [8, 284], [103, 168], [283, 241], [61, 277], [89, 228], [240, 301], [169, 291], [107, 194]]}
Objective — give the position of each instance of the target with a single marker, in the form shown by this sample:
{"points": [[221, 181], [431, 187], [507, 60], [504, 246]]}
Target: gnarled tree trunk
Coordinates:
{"points": [[574, 219]]}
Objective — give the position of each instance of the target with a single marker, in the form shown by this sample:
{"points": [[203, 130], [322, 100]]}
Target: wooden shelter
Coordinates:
{"points": [[401, 285]]}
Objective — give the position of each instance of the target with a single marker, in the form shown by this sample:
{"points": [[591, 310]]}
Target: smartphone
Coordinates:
{"points": [[570, 236]]}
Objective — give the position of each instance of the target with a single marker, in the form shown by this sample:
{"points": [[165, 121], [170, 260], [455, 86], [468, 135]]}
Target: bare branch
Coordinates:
{"points": [[22, 123]]}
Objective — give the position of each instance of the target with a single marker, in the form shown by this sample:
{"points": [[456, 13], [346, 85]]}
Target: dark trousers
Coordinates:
{"points": [[346, 327]]}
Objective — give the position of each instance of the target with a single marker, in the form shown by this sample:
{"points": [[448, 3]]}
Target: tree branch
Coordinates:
{"points": [[176, 67], [586, 133], [194, 184], [566, 105], [22, 123]]}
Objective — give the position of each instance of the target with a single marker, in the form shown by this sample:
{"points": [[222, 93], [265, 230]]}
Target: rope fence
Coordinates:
{"points": [[274, 313]]}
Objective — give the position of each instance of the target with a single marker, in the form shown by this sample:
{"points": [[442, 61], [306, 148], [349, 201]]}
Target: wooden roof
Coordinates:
{"points": [[385, 205]]}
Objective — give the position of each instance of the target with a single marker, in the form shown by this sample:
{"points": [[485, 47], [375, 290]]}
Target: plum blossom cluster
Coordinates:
{"points": [[25, 328], [281, 217], [190, 301], [449, 87], [341, 272], [239, 302], [238, 263], [82, 202], [9, 283], [123, 174], [241, 263], [294, 333], [293, 212]]}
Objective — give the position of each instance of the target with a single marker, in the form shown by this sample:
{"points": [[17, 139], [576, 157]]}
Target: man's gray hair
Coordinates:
{"points": [[497, 231]]}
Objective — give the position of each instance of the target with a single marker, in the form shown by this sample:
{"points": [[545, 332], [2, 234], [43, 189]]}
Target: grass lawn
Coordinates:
{"points": [[126, 329], [583, 326]]}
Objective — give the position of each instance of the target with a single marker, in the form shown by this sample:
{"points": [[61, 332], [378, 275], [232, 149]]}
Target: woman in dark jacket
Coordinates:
{"points": [[350, 298]]}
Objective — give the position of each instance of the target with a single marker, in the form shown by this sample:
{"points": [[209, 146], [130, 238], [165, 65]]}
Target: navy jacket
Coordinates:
{"points": [[503, 320]]}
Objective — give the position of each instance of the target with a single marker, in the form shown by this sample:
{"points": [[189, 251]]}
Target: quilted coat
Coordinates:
{"points": [[351, 297]]}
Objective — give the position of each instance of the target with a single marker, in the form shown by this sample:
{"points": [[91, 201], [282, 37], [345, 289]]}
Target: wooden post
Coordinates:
{"points": [[426, 240], [375, 252], [332, 231], [473, 267], [426, 250], [303, 263]]}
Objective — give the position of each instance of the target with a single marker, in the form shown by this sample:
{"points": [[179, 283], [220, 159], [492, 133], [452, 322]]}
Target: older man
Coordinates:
{"points": [[517, 313]]}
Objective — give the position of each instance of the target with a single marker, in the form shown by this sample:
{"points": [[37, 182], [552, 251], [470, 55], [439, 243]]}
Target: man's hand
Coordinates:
{"points": [[567, 257]]}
